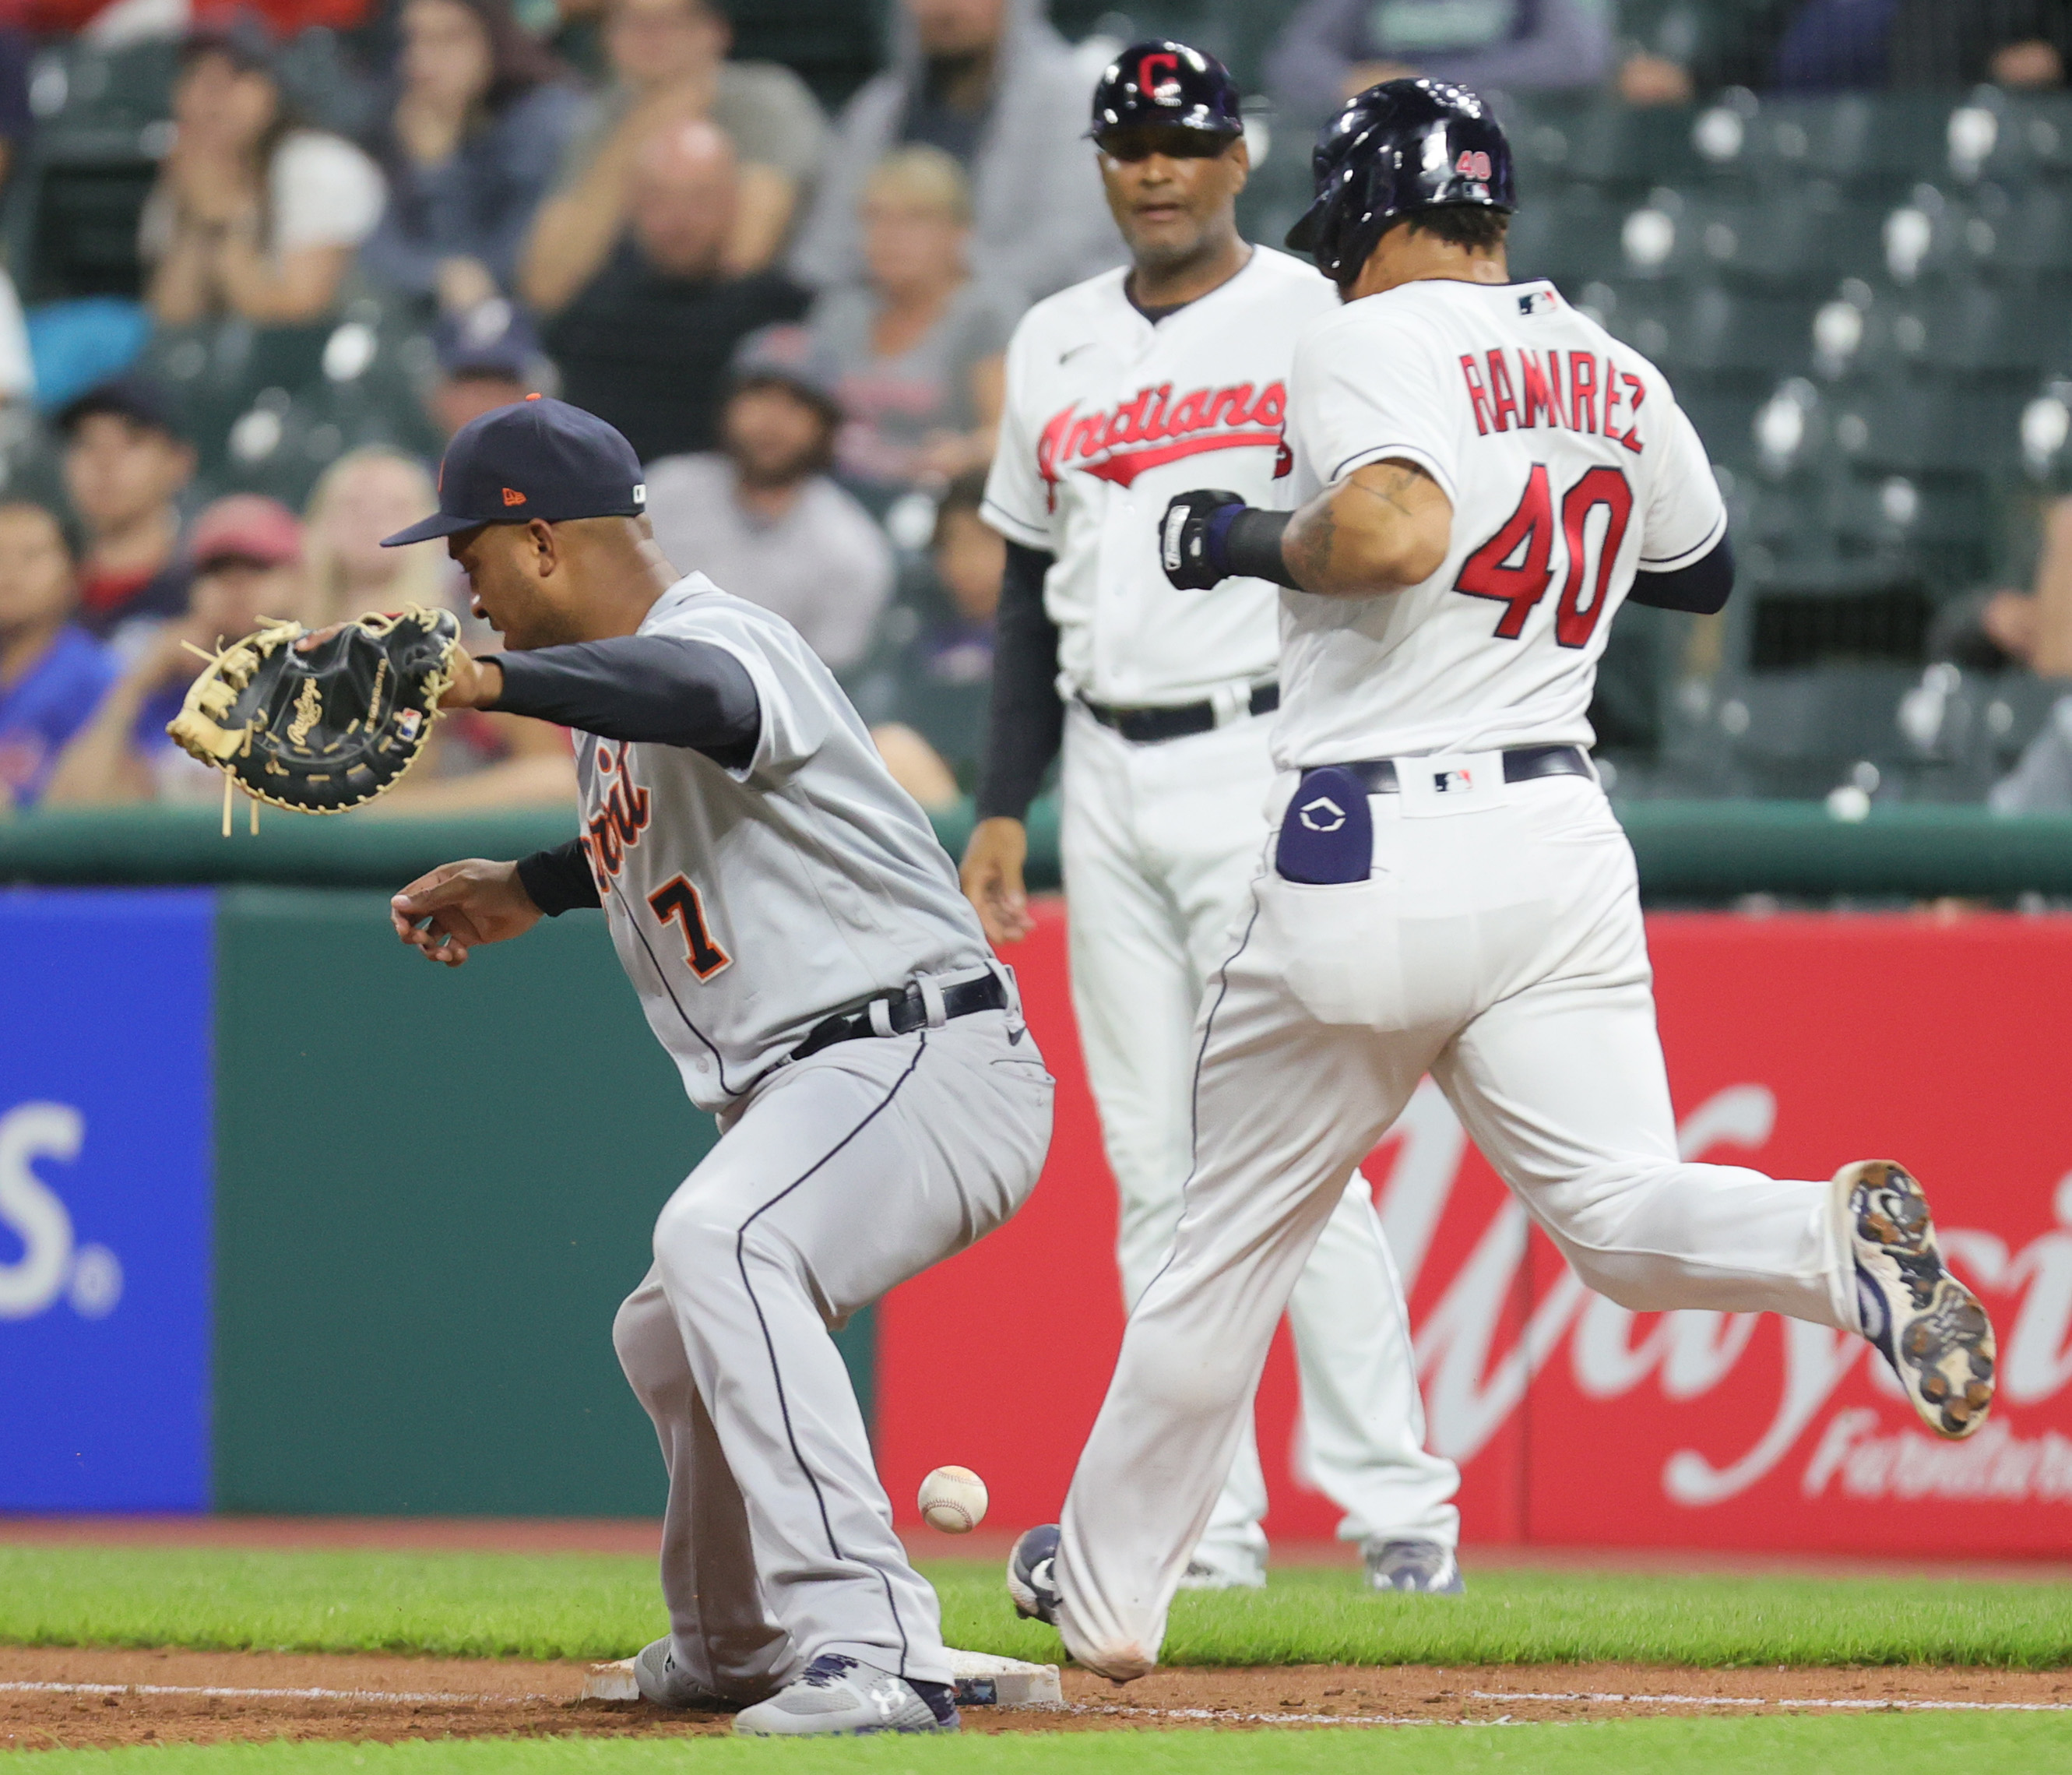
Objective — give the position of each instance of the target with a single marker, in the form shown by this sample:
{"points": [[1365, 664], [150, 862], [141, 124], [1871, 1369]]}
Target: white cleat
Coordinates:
{"points": [[1424, 1568], [1925, 1323], [1228, 1572], [841, 1697]]}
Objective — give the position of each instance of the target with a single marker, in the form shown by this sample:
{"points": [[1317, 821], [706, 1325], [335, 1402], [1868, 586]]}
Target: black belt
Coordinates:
{"points": [[1147, 727], [1521, 766], [906, 1011]]}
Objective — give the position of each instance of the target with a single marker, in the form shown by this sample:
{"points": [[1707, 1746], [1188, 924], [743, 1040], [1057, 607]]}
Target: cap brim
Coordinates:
{"points": [[438, 523]]}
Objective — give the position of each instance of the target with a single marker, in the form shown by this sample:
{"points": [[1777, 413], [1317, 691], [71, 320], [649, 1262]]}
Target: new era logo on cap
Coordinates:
{"points": [[568, 463]]}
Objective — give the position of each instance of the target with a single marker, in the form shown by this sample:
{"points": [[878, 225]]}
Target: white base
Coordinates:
{"points": [[614, 1682], [981, 1680], [984, 1681]]}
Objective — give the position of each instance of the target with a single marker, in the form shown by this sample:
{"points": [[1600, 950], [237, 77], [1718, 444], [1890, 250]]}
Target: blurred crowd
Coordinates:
{"points": [[794, 302]]}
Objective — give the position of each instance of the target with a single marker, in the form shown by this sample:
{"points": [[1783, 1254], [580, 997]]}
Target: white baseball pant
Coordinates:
{"points": [[843, 1175], [1501, 950], [1160, 843]]}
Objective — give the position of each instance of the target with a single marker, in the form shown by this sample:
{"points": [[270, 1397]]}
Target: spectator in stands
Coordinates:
{"points": [[929, 709], [668, 59], [919, 342], [52, 673], [126, 466], [1332, 49], [365, 495], [488, 358], [992, 84], [16, 121], [253, 214], [476, 760], [760, 517], [646, 344], [246, 552], [1833, 46], [470, 139]]}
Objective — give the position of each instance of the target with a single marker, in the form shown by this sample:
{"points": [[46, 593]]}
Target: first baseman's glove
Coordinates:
{"points": [[1192, 534], [323, 731]]}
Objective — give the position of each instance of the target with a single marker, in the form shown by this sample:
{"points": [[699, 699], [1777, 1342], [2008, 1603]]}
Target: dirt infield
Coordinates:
{"points": [[54, 1697]]}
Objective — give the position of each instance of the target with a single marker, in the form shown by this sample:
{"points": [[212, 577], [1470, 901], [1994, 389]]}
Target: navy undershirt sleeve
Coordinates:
{"points": [[558, 881], [1700, 588], [657, 690], [1026, 725]]}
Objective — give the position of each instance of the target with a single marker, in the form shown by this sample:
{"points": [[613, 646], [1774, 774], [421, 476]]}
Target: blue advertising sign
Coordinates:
{"points": [[106, 1003]]}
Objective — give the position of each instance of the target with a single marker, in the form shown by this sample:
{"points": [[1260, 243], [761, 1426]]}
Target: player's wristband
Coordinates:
{"points": [[1250, 544]]}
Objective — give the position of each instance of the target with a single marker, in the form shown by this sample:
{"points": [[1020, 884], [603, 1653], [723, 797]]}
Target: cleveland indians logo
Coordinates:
{"points": [[1158, 77], [1151, 428]]}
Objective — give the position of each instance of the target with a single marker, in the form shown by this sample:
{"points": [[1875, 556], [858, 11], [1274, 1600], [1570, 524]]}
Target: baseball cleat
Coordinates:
{"points": [[1925, 1323], [1423, 1567], [1032, 1574], [1240, 1571], [666, 1682], [842, 1697]]}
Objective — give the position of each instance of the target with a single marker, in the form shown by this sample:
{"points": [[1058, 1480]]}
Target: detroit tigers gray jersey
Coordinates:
{"points": [[746, 905]]}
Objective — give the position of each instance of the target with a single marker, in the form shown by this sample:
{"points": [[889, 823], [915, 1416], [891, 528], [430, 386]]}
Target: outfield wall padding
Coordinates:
{"points": [[1688, 852], [429, 1190]]}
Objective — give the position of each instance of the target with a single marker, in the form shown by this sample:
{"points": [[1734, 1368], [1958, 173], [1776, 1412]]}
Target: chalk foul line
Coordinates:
{"points": [[398, 1697], [1864, 1704]]}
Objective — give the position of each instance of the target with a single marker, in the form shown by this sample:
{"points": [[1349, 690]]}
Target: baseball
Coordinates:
{"points": [[953, 1500]]}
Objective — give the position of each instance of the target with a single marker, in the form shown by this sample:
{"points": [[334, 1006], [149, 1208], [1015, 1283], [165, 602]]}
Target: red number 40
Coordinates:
{"points": [[1516, 566]]}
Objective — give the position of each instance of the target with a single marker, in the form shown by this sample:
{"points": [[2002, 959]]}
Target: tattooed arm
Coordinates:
{"points": [[1384, 527]]}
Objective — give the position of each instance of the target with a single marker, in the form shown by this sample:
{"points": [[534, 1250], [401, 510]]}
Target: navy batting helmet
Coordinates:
{"points": [[1166, 85], [1397, 148]]}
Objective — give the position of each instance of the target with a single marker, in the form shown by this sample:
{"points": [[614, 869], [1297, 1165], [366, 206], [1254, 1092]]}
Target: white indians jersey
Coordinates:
{"points": [[746, 905], [1570, 467], [1107, 418]]}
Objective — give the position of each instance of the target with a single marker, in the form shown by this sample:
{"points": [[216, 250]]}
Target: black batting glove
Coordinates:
{"points": [[1194, 534]]}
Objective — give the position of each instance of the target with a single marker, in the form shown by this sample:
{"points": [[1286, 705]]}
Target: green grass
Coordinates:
{"points": [[1914, 1745], [570, 1605]]}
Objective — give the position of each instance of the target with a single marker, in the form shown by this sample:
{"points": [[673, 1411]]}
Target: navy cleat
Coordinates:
{"points": [[1925, 1323], [1423, 1567], [1032, 1574]]}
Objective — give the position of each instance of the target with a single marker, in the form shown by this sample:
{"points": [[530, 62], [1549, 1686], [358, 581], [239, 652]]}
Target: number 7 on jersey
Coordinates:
{"points": [[677, 902]]}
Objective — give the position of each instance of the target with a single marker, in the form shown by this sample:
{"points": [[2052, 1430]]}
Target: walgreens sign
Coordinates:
{"points": [[1796, 1043]]}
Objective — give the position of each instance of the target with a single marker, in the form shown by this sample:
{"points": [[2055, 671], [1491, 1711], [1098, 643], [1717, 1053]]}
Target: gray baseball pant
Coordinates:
{"points": [[839, 1178]]}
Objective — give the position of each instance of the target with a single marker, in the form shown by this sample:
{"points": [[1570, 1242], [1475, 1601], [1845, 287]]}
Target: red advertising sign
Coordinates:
{"points": [[1795, 1045]]}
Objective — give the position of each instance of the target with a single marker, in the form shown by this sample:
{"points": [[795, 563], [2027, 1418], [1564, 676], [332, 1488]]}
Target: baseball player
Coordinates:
{"points": [[1137, 384], [801, 950], [1484, 476]]}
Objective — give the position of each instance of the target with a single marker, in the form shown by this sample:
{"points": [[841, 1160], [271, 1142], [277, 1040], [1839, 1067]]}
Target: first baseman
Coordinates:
{"points": [[801, 950], [1484, 476], [1168, 374]]}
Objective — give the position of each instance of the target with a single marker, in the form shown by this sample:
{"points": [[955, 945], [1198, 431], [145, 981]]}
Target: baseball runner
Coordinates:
{"points": [[1484, 476], [801, 950], [1137, 384]]}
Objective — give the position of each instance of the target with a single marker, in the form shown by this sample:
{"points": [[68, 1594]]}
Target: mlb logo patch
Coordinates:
{"points": [[1453, 782], [1536, 302], [408, 723]]}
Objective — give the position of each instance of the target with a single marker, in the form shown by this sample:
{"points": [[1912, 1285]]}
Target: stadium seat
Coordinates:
{"points": [[1723, 332], [1572, 239], [1863, 141]]}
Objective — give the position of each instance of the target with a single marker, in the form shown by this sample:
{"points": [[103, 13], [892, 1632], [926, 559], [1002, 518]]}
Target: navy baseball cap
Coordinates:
{"points": [[536, 458]]}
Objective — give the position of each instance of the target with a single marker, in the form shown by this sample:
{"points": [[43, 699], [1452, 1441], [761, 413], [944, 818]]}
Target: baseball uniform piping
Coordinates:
{"points": [[633, 924], [770, 1343]]}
